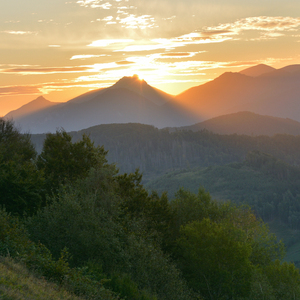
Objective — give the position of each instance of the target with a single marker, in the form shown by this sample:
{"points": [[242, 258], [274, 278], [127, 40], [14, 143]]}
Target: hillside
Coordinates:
{"points": [[156, 151], [247, 123], [269, 186]]}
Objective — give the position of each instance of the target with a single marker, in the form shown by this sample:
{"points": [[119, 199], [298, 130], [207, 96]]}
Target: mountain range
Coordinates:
{"points": [[260, 89], [128, 100]]}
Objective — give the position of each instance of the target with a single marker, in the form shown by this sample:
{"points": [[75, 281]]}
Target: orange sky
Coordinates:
{"points": [[61, 49]]}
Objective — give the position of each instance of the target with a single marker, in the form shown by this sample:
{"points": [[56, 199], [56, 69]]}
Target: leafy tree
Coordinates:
{"points": [[215, 259], [285, 280], [152, 210], [21, 184], [63, 161]]}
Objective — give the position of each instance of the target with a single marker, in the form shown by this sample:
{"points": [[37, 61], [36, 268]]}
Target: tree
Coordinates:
{"points": [[63, 161], [21, 184], [214, 258]]}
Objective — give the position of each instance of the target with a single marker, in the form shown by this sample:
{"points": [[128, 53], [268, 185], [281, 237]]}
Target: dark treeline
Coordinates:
{"points": [[70, 216], [152, 150]]}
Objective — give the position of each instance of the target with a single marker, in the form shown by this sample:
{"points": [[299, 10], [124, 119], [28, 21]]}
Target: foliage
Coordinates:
{"points": [[150, 209], [219, 246], [89, 217], [21, 184], [215, 258], [63, 161]]}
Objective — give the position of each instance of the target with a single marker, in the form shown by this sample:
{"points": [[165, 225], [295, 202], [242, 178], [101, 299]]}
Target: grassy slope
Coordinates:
{"points": [[17, 283]]}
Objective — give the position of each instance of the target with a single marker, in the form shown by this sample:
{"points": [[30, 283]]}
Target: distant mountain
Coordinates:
{"points": [[275, 93], [292, 68], [257, 70], [248, 123], [36, 105], [128, 100]]}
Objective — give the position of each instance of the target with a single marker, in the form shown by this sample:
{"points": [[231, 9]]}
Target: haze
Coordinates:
{"points": [[64, 48]]}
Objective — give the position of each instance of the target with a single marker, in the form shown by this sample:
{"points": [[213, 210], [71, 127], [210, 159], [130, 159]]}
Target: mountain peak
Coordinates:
{"points": [[129, 81], [33, 106], [40, 99], [257, 70], [143, 89]]}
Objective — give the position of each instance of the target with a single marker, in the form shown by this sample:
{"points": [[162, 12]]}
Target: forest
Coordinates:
{"points": [[74, 218]]}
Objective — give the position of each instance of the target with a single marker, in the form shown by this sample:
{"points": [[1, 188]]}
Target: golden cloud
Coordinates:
{"points": [[262, 23], [85, 56], [47, 70], [107, 42], [19, 32], [18, 90]]}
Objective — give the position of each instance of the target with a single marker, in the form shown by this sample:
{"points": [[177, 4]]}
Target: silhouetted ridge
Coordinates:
{"points": [[257, 70]]}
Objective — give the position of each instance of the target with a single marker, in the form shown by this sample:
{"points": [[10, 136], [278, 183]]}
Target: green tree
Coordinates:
{"points": [[285, 280], [21, 184], [63, 161], [215, 259], [152, 210]]}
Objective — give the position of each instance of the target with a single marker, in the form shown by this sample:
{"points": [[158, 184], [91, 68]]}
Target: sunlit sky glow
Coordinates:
{"points": [[62, 48]]}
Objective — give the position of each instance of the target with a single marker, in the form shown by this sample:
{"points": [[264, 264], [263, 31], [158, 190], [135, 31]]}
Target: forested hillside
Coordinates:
{"points": [[269, 185], [70, 216], [156, 151]]}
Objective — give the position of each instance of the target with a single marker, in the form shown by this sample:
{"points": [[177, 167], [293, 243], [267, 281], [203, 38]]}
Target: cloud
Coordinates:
{"points": [[94, 4], [105, 43], [177, 54], [193, 38], [124, 62], [262, 23], [47, 70], [134, 21], [19, 32], [85, 56], [18, 90]]}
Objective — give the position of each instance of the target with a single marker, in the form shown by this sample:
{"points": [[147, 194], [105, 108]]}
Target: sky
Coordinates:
{"points": [[63, 48]]}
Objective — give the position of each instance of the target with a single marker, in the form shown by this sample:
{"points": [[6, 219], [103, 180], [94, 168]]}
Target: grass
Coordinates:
{"points": [[17, 283]]}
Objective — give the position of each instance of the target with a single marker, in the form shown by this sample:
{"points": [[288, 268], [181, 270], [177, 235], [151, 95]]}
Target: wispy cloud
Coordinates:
{"points": [[193, 38], [94, 4], [107, 42], [19, 32], [262, 23], [86, 56], [47, 70], [135, 21], [18, 90]]}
